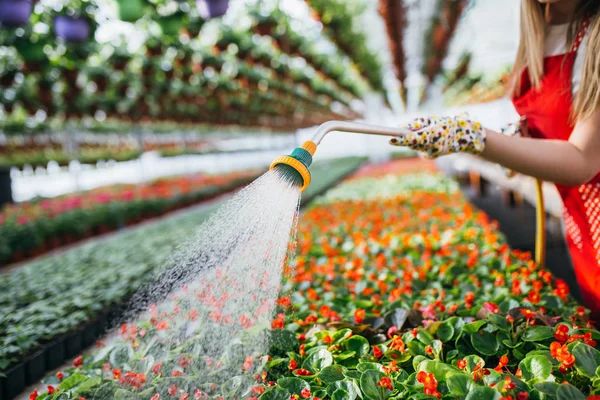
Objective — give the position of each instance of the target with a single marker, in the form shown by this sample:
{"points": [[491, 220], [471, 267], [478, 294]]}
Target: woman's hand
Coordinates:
{"points": [[435, 137]]}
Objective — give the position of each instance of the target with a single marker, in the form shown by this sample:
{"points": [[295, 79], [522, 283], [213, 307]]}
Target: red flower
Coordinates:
{"points": [[176, 372], [502, 363], [51, 390], [509, 384], [278, 322], [156, 368], [377, 352], [59, 375], [534, 297], [247, 363], [385, 382], [359, 316], [78, 362], [491, 307], [293, 365], [302, 372], [462, 364], [522, 396], [155, 397], [172, 390], [562, 333], [305, 393], [429, 382], [33, 395]]}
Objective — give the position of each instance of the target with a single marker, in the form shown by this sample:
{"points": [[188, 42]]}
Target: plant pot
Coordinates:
{"points": [[73, 344], [72, 30], [171, 25], [101, 324], [15, 12], [5, 187], [213, 8], [130, 10], [55, 354], [14, 381], [35, 367], [88, 335]]}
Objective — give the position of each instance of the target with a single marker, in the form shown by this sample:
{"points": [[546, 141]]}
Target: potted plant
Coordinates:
{"points": [[15, 13]]}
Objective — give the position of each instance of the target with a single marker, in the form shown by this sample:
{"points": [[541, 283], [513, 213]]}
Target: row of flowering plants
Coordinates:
{"points": [[34, 227], [394, 294], [47, 300]]}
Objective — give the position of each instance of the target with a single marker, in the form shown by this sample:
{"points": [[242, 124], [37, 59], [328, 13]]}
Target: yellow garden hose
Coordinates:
{"points": [[540, 232]]}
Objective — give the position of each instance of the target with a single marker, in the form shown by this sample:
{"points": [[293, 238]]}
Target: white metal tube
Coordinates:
{"points": [[355, 127]]}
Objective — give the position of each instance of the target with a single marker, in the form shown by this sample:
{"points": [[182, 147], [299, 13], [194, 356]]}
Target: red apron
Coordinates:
{"points": [[548, 112]]}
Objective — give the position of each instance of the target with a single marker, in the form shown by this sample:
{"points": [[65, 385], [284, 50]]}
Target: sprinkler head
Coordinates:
{"points": [[298, 162]]}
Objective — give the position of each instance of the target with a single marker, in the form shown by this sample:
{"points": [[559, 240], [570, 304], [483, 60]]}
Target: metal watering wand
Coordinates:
{"points": [[296, 166]]}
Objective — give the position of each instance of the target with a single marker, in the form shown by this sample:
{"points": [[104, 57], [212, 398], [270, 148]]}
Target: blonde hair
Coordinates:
{"points": [[530, 54]]}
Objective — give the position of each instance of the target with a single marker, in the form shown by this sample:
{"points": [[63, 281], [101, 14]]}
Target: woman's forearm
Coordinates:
{"points": [[556, 161]]}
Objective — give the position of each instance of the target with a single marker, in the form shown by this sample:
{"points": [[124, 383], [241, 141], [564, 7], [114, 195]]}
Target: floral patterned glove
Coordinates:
{"points": [[517, 129], [435, 136]]}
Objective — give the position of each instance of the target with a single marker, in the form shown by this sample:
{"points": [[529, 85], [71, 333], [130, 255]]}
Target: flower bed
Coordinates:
{"points": [[49, 306], [32, 228], [410, 295]]}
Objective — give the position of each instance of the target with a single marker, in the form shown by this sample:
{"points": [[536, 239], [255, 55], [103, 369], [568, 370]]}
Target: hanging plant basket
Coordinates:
{"points": [[130, 10], [171, 25], [72, 30], [213, 8], [15, 12]]}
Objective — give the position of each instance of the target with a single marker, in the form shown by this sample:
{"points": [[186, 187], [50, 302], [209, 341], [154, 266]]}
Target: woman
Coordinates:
{"points": [[557, 92]]}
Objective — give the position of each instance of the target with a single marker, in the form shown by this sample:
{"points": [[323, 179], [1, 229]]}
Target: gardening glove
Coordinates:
{"points": [[437, 136], [517, 129]]}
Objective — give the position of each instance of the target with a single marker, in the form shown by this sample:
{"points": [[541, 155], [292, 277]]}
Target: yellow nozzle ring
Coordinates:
{"points": [[297, 165], [309, 146]]}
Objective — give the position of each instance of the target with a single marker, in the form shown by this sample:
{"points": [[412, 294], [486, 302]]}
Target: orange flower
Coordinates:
{"points": [[359, 316]]}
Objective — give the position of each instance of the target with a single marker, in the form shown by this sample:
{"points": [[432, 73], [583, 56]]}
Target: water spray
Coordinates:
{"points": [[296, 165]]}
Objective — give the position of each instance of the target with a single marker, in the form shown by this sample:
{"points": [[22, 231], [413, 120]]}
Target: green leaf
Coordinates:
{"points": [[482, 393], [547, 387], [340, 394], [88, 385], [332, 373], [293, 385], [122, 394], [459, 384], [317, 361], [439, 369], [569, 392], [358, 344], [473, 327], [445, 331], [368, 385], [283, 340], [587, 359], [349, 387], [485, 343], [425, 337], [120, 354], [72, 381], [537, 334], [499, 321], [536, 368], [275, 393], [416, 348]]}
